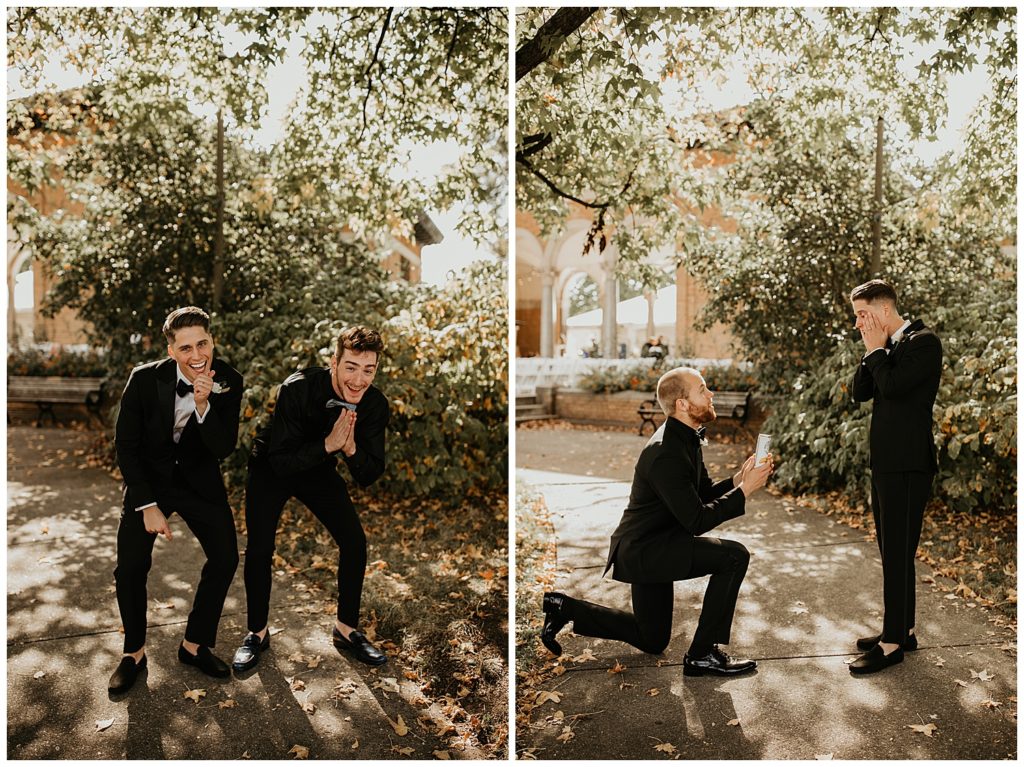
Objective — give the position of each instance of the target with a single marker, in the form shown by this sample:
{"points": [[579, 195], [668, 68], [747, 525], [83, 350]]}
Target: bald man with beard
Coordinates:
{"points": [[661, 539]]}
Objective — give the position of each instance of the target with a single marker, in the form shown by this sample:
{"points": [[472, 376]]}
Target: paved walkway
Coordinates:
{"points": [[812, 587], [64, 640]]}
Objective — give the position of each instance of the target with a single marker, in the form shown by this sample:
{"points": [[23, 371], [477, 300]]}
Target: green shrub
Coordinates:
{"points": [[35, 362], [643, 376], [821, 435]]}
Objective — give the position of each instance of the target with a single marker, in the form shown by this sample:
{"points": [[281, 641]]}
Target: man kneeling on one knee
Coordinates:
{"points": [[660, 539]]}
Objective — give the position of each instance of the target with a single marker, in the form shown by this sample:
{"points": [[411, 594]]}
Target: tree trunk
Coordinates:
{"points": [[876, 219], [549, 38], [217, 283]]}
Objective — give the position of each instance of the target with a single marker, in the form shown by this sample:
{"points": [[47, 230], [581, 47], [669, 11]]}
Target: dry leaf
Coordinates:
{"points": [[229, 703], [297, 657], [733, 722], [959, 683], [355, 745], [309, 708], [653, 691], [567, 735], [296, 684], [991, 703], [314, 662], [558, 716], [618, 668], [300, 752], [164, 605], [940, 661], [667, 748], [195, 695], [399, 726], [983, 675], [102, 724], [543, 697], [587, 654], [924, 729], [44, 529], [404, 750], [39, 675], [442, 755]]}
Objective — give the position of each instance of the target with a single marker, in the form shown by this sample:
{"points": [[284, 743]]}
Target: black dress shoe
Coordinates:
{"points": [[359, 647], [554, 620], [716, 662], [124, 675], [875, 659], [867, 643], [248, 654], [205, 661]]}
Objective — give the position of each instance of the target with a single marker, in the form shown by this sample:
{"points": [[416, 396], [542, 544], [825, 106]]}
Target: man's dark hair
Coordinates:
{"points": [[185, 317], [359, 338], [874, 290]]}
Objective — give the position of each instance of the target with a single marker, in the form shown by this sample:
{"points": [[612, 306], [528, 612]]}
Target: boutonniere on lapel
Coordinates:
{"points": [[219, 388], [333, 403], [702, 436]]}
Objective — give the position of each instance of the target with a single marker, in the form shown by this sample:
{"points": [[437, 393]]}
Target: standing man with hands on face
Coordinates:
{"points": [[660, 539], [320, 413], [178, 418], [900, 372]]}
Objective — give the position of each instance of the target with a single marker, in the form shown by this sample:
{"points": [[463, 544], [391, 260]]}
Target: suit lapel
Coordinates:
{"points": [[166, 379]]}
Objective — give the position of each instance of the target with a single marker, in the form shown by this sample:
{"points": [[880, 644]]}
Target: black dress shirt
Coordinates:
{"points": [[293, 441]]}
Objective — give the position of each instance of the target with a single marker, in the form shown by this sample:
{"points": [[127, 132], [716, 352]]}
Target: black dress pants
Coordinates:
{"points": [[325, 494], [649, 626], [213, 527], [897, 505]]}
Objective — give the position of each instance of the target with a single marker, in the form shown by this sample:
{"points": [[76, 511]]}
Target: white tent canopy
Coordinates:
{"points": [[631, 316]]}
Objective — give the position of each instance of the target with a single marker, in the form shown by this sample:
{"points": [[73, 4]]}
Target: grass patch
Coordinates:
{"points": [[435, 598]]}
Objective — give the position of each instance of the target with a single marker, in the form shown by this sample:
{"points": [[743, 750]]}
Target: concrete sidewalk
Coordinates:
{"points": [[64, 641], [812, 587]]}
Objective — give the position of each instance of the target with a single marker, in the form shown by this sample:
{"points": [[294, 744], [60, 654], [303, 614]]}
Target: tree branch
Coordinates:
{"points": [[549, 38], [369, 67], [521, 159]]}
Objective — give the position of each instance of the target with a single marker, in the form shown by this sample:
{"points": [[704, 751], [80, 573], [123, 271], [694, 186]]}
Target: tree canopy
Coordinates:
{"points": [[613, 112]]}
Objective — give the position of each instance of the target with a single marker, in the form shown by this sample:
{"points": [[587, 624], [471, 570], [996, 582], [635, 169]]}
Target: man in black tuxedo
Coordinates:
{"points": [[660, 539], [178, 419], [320, 413], [900, 371]]}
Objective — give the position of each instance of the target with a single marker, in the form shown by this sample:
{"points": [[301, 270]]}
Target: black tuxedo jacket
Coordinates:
{"points": [[903, 385], [672, 501], [144, 435]]}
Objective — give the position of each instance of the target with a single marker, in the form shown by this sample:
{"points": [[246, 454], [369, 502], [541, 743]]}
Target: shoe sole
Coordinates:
{"points": [[868, 648], [865, 671], [245, 666], [712, 672]]}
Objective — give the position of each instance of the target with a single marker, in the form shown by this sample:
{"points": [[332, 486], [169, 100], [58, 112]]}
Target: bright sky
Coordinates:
{"points": [[453, 253]]}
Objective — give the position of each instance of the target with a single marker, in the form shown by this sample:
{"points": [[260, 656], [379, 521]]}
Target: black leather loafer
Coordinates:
{"points": [[868, 643], [248, 654], [359, 647], [875, 659], [717, 663], [205, 661], [554, 620], [124, 675]]}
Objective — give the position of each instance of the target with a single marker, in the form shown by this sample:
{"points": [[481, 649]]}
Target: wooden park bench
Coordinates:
{"points": [[47, 391], [728, 404]]}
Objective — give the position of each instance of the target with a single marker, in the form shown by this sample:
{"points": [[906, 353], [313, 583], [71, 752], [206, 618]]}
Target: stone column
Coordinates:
{"points": [[547, 315], [609, 320]]}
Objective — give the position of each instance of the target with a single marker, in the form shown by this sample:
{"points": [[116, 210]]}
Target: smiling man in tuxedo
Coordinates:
{"points": [[321, 414], [178, 418], [660, 539], [900, 372]]}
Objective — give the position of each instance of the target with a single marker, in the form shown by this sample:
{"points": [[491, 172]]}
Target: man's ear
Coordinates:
{"points": [[170, 351]]}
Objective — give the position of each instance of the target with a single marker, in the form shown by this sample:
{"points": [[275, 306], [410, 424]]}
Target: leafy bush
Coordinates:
{"points": [[822, 434], [35, 362], [643, 376]]}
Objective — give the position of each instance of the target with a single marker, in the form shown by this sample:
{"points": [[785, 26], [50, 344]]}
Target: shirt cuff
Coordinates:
{"points": [[201, 418], [140, 508], [879, 349]]}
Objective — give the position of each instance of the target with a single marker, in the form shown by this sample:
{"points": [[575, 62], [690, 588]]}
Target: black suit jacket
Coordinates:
{"points": [[144, 435], [672, 501], [903, 385]]}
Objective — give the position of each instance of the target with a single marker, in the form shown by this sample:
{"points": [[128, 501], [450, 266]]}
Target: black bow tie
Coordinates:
{"points": [[700, 432], [184, 388]]}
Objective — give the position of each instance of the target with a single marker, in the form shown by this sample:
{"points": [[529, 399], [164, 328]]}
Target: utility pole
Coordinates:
{"points": [[876, 218], [218, 235]]}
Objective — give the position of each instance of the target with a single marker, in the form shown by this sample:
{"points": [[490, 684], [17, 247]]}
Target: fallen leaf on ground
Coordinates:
{"points": [[102, 724], [959, 683], [924, 729], [229, 703], [355, 745], [297, 657], [300, 752], [618, 668], [567, 735], [39, 675], [194, 695], [314, 662], [667, 748], [308, 707], [586, 655], [164, 605], [940, 661], [442, 755], [44, 528], [983, 675], [653, 691], [404, 750], [543, 696], [246, 755], [733, 722], [296, 684], [991, 703], [399, 726]]}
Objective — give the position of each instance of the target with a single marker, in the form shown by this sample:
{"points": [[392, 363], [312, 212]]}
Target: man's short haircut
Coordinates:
{"points": [[185, 317], [673, 385], [875, 290], [359, 338]]}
